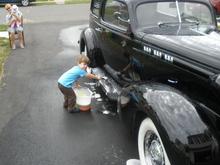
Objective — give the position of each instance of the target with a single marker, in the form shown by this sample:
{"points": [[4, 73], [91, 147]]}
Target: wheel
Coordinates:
{"points": [[150, 146], [92, 62], [25, 2], [95, 57], [85, 51]]}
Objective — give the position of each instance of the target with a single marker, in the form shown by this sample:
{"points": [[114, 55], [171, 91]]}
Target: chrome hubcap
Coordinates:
{"points": [[25, 2], [153, 150]]}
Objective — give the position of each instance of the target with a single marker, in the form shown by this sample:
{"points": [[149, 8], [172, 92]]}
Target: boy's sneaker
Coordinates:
{"points": [[75, 110]]}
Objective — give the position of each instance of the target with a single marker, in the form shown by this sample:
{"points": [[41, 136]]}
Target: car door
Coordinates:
{"points": [[113, 29]]}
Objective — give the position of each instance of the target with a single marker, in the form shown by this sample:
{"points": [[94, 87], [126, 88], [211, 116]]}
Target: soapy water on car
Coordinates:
{"points": [[104, 77], [86, 93], [107, 108]]}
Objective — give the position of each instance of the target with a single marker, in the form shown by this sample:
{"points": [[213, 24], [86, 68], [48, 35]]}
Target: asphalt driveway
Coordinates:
{"points": [[34, 128]]}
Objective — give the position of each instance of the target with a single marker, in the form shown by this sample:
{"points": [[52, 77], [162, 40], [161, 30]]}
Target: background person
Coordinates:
{"points": [[14, 22]]}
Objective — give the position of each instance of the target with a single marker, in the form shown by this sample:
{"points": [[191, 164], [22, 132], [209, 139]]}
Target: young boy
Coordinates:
{"points": [[69, 78]]}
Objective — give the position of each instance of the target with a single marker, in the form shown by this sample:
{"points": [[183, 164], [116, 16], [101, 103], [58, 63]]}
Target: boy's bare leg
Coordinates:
{"points": [[12, 36], [20, 37]]}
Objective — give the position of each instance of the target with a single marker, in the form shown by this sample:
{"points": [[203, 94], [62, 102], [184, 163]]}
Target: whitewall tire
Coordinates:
{"points": [[150, 147], [25, 2], [85, 51]]}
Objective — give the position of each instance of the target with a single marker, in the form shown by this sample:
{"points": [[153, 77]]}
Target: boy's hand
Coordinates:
{"points": [[89, 70], [99, 77], [77, 85]]}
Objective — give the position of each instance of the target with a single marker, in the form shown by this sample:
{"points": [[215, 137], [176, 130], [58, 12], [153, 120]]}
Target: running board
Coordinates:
{"points": [[109, 86]]}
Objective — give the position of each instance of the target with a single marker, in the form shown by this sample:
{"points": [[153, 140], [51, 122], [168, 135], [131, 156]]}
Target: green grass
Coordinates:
{"points": [[43, 2], [3, 27], [4, 50], [76, 1], [4, 53]]}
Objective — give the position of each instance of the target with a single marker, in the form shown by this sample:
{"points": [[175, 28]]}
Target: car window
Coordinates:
{"points": [[95, 7], [153, 14], [116, 13], [149, 14], [195, 10]]}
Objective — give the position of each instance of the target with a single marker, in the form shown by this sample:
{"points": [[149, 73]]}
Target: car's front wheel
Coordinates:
{"points": [[95, 57], [86, 53], [150, 146], [25, 2]]}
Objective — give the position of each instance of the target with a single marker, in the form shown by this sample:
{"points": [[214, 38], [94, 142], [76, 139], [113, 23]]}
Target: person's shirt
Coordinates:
{"points": [[69, 77], [9, 17]]}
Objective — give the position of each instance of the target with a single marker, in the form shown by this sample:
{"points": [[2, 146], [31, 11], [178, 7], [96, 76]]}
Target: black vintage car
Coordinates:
{"points": [[161, 60]]}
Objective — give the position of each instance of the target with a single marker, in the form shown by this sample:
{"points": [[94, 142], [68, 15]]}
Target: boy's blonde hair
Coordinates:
{"points": [[83, 59]]}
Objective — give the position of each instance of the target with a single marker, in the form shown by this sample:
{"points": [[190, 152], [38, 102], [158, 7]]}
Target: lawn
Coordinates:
{"points": [[4, 51], [76, 1], [3, 27], [40, 2]]}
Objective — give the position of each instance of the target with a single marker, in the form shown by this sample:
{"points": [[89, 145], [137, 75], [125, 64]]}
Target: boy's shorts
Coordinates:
{"points": [[17, 29]]}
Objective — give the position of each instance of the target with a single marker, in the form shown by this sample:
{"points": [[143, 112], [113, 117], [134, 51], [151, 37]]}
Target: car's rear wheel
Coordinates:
{"points": [[150, 146], [25, 2]]}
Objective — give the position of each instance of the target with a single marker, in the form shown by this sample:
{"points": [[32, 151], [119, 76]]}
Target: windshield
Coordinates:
{"points": [[160, 14]]}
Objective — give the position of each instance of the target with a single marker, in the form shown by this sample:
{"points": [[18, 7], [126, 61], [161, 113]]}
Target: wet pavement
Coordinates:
{"points": [[35, 130]]}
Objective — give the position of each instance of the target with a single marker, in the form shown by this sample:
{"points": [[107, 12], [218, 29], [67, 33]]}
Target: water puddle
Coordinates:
{"points": [[69, 38]]}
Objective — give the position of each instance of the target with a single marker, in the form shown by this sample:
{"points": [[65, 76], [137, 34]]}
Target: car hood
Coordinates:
{"points": [[202, 48]]}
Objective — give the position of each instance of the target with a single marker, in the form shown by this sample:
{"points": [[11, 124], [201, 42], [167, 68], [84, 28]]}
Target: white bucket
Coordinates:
{"points": [[83, 97]]}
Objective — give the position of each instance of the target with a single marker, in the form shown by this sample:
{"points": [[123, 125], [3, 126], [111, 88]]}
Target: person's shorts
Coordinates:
{"points": [[13, 30]]}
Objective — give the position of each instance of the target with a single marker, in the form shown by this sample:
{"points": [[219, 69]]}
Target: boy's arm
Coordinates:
{"points": [[92, 76], [18, 18], [9, 20]]}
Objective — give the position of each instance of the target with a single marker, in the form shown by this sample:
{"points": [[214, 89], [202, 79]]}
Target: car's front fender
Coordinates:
{"points": [[184, 133], [89, 39]]}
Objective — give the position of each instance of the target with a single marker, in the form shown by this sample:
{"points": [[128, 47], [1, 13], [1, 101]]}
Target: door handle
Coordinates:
{"points": [[99, 29]]}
